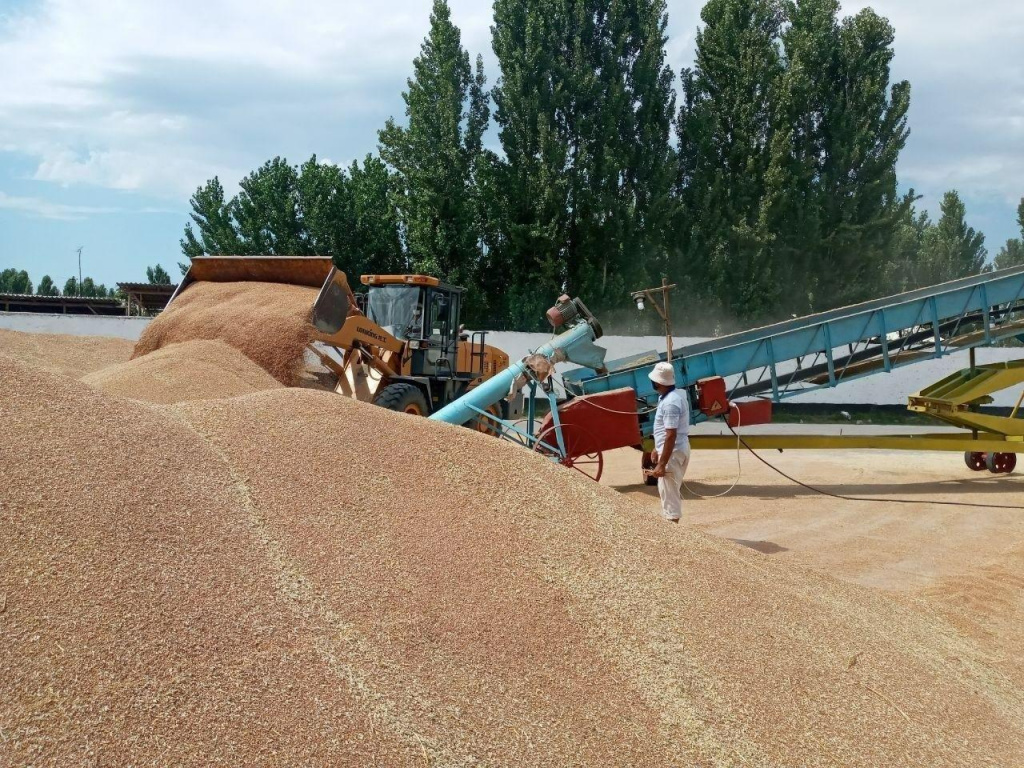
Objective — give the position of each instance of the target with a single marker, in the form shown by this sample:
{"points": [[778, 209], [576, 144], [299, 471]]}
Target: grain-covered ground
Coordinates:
{"points": [[190, 370], [72, 356], [963, 556], [291, 578]]}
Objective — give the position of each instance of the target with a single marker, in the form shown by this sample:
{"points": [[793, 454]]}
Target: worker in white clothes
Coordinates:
{"points": [[671, 440]]}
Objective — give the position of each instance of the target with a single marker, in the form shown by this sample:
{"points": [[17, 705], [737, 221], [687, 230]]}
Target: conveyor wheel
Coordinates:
{"points": [[976, 460], [1001, 463]]}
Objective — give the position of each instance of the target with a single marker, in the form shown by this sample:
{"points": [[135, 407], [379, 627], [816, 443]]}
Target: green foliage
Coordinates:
{"points": [[789, 135], [732, 168], [15, 281], [315, 209], [906, 269], [778, 196], [951, 248], [89, 288], [212, 215], [267, 211], [1012, 254], [157, 275], [435, 157], [46, 287], [370, 241], [582, 195]]}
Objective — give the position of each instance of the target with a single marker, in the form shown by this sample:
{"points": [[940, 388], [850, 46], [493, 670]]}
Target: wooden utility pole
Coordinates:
{"points": [[80, 269]]}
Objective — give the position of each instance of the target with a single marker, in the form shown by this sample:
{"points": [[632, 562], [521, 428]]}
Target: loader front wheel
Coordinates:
{"points": [[404, 398]]}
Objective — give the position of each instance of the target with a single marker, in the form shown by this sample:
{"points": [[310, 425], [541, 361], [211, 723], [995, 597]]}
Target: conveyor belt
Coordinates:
{"points": [[828, 349]]}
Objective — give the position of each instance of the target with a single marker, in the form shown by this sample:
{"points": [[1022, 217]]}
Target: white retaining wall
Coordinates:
{"points": [[880, 389], [75, 325]]}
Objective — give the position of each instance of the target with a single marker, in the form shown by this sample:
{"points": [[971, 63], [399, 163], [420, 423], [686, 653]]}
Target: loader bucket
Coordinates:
{"points": [[333, 303], [294, 270]]}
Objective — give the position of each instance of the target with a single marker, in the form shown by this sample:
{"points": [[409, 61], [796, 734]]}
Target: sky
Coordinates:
{"points": [[112, 112]]}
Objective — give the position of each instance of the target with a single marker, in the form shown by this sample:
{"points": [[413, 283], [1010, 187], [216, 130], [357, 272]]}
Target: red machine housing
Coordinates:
{"points": [[712, 399], [750, 413], [594, 423]]}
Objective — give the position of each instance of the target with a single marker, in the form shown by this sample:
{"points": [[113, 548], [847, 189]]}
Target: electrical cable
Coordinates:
{"points": [[603, 408], [739, 469], [885, 500]]}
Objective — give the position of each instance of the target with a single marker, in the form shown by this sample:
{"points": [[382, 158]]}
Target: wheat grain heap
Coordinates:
{"points": [[268, 322], [293, 578], [190, 370], [60, 353]]}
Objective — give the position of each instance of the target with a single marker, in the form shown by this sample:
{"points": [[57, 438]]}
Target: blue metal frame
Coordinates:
{"points": [[890, 333], [556, 453]]}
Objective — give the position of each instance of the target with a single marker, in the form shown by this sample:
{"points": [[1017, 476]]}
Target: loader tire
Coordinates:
{"points": [[404, 398]]}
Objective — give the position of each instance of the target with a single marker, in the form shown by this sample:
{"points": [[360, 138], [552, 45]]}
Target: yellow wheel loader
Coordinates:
{"points": [[400, 344]]}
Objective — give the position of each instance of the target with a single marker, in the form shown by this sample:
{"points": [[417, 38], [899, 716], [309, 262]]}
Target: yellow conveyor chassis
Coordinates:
{"points": [[987, 441]]}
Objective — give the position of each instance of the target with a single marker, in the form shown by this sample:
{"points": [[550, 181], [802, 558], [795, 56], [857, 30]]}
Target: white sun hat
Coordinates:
{"points": [[663, 374]]}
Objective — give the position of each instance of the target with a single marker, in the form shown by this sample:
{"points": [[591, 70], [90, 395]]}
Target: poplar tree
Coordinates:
{"points": [[15, 281], [726, 134], [267, 211], [46, 287], [860, 133], [952, 248], [434, 157], [789, 136], [584, 109], [212, 216], [1012, 254]]}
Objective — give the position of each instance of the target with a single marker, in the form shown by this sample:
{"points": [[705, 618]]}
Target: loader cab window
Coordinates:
{"points": [[444, 314], [439, 307], [398, 309]]}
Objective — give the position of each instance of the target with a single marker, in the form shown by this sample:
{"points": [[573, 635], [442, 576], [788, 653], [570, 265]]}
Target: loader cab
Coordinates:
{"points": [[421, 311]]}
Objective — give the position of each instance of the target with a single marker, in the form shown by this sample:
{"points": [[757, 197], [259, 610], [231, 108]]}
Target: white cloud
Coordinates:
{"points": [[35, 206], [156, 97], [966, 68]]}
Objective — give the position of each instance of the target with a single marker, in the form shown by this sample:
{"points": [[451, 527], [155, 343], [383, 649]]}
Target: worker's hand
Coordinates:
{"points": [[654, 457], [658, 471]]}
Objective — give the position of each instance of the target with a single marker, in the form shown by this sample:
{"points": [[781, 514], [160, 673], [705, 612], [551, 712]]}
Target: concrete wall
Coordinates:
{"points": [[880, 389], [75, 325]]}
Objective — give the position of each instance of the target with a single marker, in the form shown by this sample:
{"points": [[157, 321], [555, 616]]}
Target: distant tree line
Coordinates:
{"points": [[765, 186], [18, 281]]}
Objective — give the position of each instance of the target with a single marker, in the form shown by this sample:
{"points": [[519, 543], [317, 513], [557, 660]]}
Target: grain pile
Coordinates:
{"points": [[139, 621], [67, 355], [191, 370], [290, 578], [268, 322]]}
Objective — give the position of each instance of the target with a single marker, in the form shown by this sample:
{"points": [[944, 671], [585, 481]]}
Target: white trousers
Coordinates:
{"points": [[670, 487]]}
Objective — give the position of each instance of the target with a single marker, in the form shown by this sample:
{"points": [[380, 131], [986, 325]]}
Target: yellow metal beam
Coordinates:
{"points": [[953, 398], [956, 442]]}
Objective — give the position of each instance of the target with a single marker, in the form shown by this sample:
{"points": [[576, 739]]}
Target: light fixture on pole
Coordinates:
{"points": [[648, 294]]}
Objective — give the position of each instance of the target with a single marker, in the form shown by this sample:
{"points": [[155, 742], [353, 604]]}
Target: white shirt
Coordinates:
{"points": [[673, 413]]}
